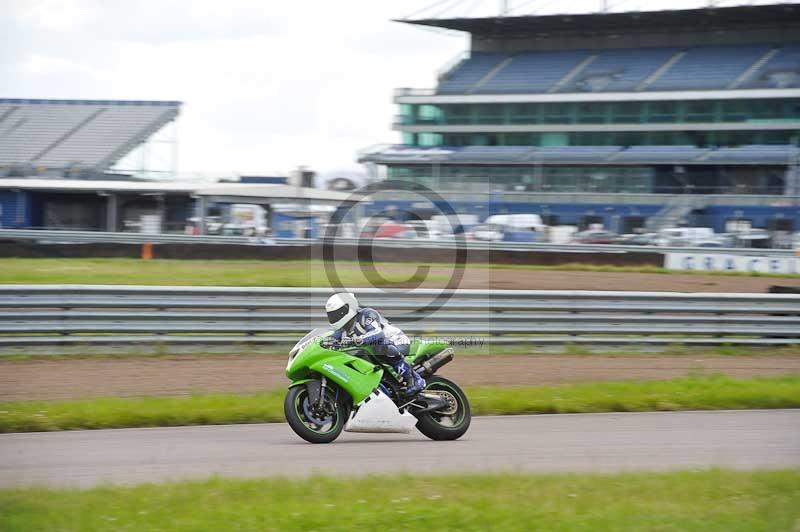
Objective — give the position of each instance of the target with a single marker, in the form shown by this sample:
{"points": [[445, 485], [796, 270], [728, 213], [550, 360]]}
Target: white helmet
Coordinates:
{"points": [[341, 308]]}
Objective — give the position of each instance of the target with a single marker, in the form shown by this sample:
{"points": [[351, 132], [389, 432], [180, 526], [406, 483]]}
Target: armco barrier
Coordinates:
{"points": [[76, 314]]}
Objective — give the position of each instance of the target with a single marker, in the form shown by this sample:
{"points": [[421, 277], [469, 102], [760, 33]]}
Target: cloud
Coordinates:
{"points": [[41, 65], [266, 85]]}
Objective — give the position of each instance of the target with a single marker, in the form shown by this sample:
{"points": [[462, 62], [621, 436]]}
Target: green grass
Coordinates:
{"points": [[701, 392], [707, 501], [193, 272], [264, 273]]}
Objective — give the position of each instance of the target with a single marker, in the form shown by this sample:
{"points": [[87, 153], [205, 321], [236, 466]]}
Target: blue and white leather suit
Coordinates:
{"points": [[368, 327]]}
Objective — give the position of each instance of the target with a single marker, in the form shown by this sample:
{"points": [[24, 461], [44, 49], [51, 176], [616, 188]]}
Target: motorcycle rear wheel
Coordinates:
{"points": [[311, 423], [454, 422]]}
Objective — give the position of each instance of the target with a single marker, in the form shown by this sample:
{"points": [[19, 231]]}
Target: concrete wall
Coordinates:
{"points": [[343, 253]]}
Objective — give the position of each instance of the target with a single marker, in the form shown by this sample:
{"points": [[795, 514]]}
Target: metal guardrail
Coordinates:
{"points": [[141, 238], [76, 314], [103, 237]]}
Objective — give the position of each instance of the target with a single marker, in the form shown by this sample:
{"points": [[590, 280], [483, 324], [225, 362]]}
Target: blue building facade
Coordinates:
{"points": [[689, 102]]}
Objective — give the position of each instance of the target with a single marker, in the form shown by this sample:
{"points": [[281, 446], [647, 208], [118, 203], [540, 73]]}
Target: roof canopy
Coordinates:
{"points": [[223, 192], [244, 193], [682, 20], [76, 134]]}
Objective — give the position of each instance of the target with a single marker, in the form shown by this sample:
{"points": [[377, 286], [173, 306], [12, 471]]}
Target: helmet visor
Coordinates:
{"points": [[339, 313]]}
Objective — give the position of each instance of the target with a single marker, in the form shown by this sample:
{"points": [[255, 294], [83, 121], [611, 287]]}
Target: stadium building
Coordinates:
{"points": [[89, 164], [685, 116]]}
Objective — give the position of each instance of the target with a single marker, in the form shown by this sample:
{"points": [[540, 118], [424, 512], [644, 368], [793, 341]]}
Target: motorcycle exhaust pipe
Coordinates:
{"points": [[430, 365]]}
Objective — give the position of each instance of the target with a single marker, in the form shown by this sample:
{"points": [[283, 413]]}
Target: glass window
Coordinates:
{"points": [[429, 114], [702, 111], [406, 113], [659, 112], [735, 111], [456, 114], [519, 139], [793, 109], [457, 139], [523, 113], [767, 109], [489, 114], [627, 112], [558, 113], [591, 113], [429, 139]]}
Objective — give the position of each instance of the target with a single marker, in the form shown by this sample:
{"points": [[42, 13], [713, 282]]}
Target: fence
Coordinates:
{"points": [[76, 314]]}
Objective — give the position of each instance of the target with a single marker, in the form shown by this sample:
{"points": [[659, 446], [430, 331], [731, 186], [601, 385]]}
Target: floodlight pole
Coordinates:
{"points": [[504, 8]]}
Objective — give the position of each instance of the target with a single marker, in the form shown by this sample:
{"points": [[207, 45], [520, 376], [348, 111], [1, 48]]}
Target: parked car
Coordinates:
{"points": [[370, 226], [684, 236], [595, 236], [392, 230], [644, 239]]}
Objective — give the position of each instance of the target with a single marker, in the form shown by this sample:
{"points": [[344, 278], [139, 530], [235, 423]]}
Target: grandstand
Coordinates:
{"points": [[75, 138], [694, 101]]}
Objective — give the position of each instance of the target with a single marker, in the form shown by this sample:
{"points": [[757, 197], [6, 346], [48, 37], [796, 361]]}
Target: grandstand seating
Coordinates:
{"points": [[700, 68], [625, 68], [469, 72], [786, 60], [533, 72], [59, 134], [709, 67]]}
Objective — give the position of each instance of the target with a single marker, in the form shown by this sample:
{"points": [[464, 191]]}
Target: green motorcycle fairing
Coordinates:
{"points": [[356, 376], [421, 348]]}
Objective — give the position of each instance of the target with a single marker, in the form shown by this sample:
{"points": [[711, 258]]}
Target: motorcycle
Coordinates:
{"points": [[338, 387]]}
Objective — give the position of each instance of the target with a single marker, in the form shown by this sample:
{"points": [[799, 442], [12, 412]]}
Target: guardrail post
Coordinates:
{"points": [[147, 251]]}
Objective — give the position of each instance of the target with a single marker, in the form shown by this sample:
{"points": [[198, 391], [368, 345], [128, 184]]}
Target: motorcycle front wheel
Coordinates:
{"points": [[451, 422], [315, 423]]}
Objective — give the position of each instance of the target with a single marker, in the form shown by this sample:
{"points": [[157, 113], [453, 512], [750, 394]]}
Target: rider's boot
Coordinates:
{"points": [[412, 382]]}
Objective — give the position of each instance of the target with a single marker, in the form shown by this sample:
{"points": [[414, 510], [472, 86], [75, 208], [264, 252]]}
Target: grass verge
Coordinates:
{"points": [[712, 392], [708, 501], [268, 273]]}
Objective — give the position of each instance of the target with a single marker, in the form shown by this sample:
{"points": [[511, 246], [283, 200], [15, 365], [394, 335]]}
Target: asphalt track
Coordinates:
{"points": [[745, 439]]}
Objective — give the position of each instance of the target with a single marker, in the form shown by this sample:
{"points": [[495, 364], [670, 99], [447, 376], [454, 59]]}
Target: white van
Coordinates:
{"points": [[530, 222], [684, 236]]}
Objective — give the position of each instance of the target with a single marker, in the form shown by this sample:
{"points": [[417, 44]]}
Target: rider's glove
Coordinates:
{"points": [[346, 341], [329, 343]]}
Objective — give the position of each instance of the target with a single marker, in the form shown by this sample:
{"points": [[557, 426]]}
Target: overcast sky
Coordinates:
{"points": [[266, 85]]}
